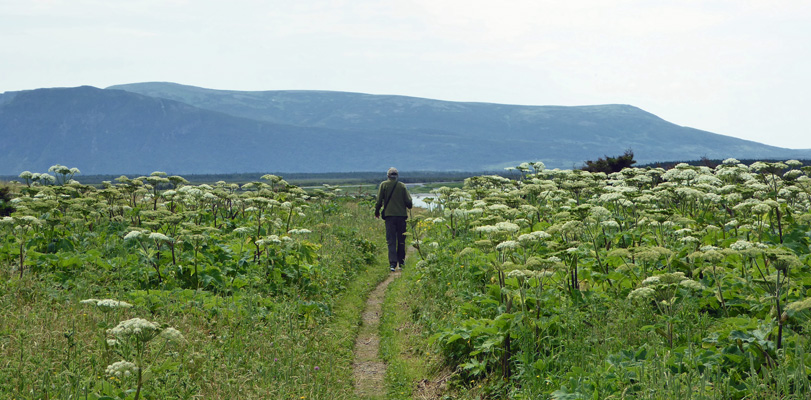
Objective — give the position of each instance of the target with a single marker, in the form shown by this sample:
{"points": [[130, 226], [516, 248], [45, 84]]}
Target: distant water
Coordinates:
{"points": [[419, 199]]}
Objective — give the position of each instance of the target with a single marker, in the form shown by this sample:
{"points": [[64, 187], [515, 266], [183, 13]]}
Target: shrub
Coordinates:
{"points": [[611, 164]]}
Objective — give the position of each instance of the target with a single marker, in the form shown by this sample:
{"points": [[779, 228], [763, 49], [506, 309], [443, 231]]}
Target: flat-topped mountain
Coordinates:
{"points": [[139, 128]]}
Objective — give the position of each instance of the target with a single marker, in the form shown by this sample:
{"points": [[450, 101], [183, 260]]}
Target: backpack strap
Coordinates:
{"points": [[389, 198]]}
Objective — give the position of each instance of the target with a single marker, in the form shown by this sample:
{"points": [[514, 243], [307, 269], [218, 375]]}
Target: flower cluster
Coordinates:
{"points": [[137, 328], [120, 369]]}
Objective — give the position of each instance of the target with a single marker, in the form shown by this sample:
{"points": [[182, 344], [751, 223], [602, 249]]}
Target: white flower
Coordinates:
{"points": [[541, 235], [691, 284], [643, 293], [141, 329], [761, 208], [741, 245], [508, 227], [160, 236], [600, 213], [607, 197], [120, 369], [571, 226], [527, 238], [30, 220], [510, 244], [298, 231], [173, 335], [89, 301], [683, 231], [272, 239], [516, 273], [498, 207], [793, 174], [484, 229], [133, 235], [650, 281], [110, 304], [757, 166]]}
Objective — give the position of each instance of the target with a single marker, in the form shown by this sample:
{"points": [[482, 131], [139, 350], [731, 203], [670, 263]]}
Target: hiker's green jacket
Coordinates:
{"points": [[398, 203]]}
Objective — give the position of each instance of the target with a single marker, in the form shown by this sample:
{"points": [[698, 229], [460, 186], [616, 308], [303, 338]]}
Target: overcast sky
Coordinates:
{"points": [[736, 67]]}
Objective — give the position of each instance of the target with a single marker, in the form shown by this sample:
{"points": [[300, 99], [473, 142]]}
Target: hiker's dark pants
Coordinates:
{"points": [[395, 238]]}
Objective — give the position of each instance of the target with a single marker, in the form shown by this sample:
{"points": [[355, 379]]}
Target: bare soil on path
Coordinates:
{"points": [[369, 369]]}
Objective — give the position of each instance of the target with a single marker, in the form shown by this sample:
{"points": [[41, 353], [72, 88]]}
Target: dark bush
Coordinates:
{"points": [[611, 164], [5, 201]]}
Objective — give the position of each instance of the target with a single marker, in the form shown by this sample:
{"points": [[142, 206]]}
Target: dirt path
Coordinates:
{"points": [[369, 369]]}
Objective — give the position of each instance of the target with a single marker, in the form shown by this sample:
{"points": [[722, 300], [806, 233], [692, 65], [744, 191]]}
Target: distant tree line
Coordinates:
{"points": [[611, 164]]}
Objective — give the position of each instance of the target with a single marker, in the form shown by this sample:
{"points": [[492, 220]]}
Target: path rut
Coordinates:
{"points": [[369, 369]]}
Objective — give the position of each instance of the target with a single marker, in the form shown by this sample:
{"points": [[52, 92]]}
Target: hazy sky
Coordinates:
{"points": [[735, 67]]}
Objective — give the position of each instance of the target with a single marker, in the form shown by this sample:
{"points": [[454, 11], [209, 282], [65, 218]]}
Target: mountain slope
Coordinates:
{"points": [[560, 136], [183, 129], [111, 131]]}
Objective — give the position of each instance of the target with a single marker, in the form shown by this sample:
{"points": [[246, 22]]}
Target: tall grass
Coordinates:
{"points": [[259, 339]]}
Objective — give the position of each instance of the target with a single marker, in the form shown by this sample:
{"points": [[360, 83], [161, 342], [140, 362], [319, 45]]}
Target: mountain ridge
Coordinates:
{"points": [[186, 129]]}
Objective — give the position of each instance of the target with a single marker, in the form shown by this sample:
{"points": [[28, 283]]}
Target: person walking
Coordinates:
{"points": [[394, 199]]}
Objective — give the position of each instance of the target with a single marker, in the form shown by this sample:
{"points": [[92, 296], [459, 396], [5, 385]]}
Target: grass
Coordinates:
{"points": [[245, 344], [401, 344]]}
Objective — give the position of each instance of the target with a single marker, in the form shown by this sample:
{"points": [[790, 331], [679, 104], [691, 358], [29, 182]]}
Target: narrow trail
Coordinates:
{"points": [[369, 369]]}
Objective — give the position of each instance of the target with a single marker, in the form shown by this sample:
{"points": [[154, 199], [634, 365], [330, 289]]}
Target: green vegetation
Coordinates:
{"points": [[151, 288], [646, 283], [347, 179]]}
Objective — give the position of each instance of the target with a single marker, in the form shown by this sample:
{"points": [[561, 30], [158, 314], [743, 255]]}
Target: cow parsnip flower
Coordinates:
{"points": [[138, 328], [527, 238], [651, 281], [172, 335], [110, 304], [507, 245], [741, 245], [132, 235], [120, 369], [516, 273], [160, 237], [691, 284], [488, 229], [642, 294]]}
